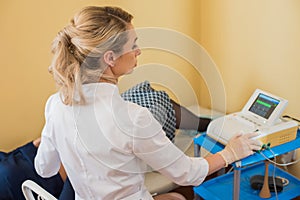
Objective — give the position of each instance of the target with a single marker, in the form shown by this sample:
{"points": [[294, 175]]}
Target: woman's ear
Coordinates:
{"points": [[109, 58]]}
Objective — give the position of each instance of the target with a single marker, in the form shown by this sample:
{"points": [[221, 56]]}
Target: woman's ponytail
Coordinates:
{"points": [[78, 49], [66, 68]]}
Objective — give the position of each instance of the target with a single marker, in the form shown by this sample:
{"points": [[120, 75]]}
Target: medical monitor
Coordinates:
{"points": [[265, 107]]}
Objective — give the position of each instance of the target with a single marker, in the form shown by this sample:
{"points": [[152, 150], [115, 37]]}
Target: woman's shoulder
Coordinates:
{"points": [[51, 102]]}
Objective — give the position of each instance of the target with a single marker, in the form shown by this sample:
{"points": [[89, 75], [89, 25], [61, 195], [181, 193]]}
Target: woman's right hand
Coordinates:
{"points": [[240, 146]]}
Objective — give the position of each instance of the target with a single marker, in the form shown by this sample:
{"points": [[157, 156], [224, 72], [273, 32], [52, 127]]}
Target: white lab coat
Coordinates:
{"points": [[107, 145]]}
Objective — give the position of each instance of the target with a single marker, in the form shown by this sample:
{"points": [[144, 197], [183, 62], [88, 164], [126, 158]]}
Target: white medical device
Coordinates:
{"points": [[261, 114]]}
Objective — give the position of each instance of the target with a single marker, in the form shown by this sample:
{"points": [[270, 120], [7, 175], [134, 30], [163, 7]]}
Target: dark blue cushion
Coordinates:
{"points": [[16, 167]]}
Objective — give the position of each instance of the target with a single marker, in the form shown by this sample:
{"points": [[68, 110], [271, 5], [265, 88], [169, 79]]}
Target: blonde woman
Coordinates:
{"points": [[106, 144]]}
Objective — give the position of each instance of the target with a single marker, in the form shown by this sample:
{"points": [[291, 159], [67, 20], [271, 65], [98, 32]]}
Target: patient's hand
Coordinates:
{"points": [[37, 142]]}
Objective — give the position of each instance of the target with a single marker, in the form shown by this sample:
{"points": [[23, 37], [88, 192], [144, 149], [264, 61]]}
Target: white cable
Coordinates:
{"points": [[284, 181], [229, 170], [279, 164], [274, 169], [274, 181]]}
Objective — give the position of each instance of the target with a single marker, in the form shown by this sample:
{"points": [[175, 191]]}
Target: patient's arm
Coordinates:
{"points": [[185, 119], [37, 142], [62, 173]]}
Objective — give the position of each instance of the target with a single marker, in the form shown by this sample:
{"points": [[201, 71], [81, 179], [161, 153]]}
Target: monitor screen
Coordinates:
{"points": [[264, 105]]}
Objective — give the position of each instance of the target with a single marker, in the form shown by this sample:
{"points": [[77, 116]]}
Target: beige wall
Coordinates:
{"points": [[254, 44], [27, 30]]}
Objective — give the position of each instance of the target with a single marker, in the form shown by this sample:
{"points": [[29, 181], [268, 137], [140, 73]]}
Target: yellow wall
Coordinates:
{"points": [[27, 30], [254, 44]]}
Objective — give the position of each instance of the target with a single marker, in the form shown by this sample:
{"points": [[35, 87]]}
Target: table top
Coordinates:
{"points": [[213, 147]]}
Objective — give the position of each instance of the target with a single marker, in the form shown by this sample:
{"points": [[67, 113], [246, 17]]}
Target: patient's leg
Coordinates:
{"points": [[185, 119], [170, 196]]}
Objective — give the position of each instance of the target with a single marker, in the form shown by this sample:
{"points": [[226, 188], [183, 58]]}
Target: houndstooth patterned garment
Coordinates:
{"points": [[158, 103]]}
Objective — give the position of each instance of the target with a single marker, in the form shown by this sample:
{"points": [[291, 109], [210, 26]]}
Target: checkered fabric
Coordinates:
{"points": [[158, 103]]}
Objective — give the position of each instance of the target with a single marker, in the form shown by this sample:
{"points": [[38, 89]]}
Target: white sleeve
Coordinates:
{"points": [[153, 147], [47, 161]]}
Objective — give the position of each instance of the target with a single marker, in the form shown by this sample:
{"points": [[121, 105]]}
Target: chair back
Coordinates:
{"points": [[29, 188]]}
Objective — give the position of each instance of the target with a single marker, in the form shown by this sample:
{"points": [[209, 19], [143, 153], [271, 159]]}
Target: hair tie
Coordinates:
{"points": [[71, 48]]}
